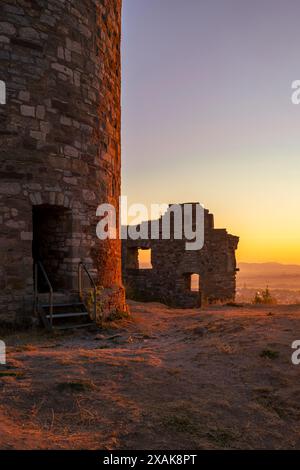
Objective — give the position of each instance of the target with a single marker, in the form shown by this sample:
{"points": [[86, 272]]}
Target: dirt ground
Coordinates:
{"points": [[166, 379]]}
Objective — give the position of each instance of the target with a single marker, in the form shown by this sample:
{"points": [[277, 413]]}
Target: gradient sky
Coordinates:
{"points": [[207, 115]]}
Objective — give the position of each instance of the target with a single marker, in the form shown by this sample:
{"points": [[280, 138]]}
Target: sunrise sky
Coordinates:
{"points": [[207, 115]]}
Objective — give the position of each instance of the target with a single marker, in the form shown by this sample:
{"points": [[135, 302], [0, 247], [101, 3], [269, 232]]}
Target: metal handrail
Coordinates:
{"points": [[82, 266], [38, 265]]}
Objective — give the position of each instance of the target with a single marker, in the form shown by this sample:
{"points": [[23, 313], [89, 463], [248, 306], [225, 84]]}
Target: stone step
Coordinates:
{"points": [[68, 315], [68, 305], [59, 297], [73, 326], [68, 312]]}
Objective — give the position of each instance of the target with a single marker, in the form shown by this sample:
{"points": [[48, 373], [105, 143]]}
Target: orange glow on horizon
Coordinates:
{"points": [[258, 247]]}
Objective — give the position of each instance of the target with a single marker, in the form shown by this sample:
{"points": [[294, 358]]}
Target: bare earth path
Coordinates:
{"points": [[166, 379]]}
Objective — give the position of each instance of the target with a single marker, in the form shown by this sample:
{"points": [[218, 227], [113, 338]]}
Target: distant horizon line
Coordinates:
{"points": [[278, 263]]}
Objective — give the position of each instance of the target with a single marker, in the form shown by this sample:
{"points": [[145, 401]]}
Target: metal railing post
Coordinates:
{"points": [[51, 306], [95, 303], [93, 284], [39, 265], [80, 280]]}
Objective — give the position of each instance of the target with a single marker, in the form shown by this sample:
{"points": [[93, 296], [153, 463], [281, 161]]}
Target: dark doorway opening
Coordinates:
{"points": [[52, 233], [193, 285]]}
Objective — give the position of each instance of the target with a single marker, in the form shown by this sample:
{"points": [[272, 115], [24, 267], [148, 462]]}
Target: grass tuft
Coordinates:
{"points": [[76, 387], [269, 354]]}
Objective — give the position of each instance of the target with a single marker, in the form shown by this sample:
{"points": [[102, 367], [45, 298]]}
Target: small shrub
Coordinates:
{"points": [[118, 315], [269, 354], [264, 298], [90, 302], [222, 437], [180, 424]]}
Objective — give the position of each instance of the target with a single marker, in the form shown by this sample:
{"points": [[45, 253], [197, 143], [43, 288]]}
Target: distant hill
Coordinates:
{"points": [[274, 275]]}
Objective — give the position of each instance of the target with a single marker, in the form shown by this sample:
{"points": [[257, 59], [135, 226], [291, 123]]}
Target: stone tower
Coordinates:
{"points": [[60, 150]]}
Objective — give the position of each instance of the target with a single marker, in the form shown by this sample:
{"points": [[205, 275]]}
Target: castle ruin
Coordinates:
{"points": [[169, 279], [60, 158]]}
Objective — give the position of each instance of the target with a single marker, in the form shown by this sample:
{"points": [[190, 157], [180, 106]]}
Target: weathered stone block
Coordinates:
{"points": [[28, 111], [7, 28]]}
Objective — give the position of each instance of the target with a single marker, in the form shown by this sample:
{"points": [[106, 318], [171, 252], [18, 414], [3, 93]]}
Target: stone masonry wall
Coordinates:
{"points": [[172, 266], [59, 137]]}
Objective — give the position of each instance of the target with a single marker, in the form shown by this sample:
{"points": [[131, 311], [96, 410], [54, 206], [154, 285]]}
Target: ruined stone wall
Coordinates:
{"points": [[169, 280], [59, 136]]}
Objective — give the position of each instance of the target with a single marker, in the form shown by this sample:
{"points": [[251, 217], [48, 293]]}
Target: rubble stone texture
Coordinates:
{"points": [[169, 280], [60, 150]]}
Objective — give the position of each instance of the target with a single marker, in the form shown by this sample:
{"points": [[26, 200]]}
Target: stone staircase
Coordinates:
{"points": [[65, 316], [63, 310]]}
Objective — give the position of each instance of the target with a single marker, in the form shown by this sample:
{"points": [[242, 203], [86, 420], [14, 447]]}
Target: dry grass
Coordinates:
{"points": [[164, 379]]}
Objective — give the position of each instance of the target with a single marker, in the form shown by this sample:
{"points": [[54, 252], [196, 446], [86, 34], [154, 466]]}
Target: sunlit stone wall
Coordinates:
{"points": [[169, 280], [59, 138]]}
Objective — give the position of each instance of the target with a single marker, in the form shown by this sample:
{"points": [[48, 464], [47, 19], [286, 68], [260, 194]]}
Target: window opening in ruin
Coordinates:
{"points": [[52, 245], [195, 283], [145, 259]]}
